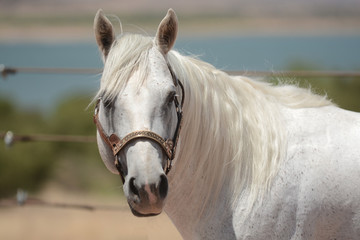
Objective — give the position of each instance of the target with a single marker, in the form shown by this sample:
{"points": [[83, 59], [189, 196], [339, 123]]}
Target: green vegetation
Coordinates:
{"points": [[24, 165], [344, 92], [74, 166]]}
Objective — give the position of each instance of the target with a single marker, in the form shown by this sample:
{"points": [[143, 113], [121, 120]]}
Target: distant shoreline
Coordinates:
{"points": [[212, 27]]}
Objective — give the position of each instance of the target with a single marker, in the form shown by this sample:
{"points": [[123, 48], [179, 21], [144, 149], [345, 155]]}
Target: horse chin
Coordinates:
{"points": [[139, 214]]}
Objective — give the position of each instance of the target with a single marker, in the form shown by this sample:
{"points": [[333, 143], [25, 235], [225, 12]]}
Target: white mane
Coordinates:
{"points": [[232, 125], [234, 128]]}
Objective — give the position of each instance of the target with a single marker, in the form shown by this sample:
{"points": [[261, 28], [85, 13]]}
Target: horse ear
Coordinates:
{"points": [[104, 33], [167, 32]]}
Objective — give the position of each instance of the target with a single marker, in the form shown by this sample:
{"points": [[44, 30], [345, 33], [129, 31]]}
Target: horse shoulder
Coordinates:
{"points": [[324, 162], [314, 195], [324, 137], [327, 152]]}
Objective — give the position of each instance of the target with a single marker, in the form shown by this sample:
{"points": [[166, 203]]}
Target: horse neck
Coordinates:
{"points": [[188, 196], [228, 124]]}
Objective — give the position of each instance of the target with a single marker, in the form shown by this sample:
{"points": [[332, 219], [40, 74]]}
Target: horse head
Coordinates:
{"points": [[138, 114]]}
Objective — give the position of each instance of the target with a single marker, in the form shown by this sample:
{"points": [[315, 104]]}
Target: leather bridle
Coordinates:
{"points": [[168, 145]]}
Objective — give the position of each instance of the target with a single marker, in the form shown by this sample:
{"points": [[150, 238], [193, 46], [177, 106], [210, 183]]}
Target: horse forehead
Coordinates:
{"points": [[157, 83], [159, 74]]}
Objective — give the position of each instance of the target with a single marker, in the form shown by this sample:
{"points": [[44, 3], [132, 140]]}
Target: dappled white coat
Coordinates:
{"points": [[315, 194], [254, 161]]}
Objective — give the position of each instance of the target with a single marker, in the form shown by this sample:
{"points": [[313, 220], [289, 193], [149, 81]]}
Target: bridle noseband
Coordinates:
{"points": [[168, 145]]}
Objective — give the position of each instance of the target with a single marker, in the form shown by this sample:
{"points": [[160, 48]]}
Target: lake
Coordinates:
{"points": [[262, 53]]}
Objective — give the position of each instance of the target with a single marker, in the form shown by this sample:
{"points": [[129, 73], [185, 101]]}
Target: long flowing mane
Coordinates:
{"points": [[232, 132], [233, 128]]}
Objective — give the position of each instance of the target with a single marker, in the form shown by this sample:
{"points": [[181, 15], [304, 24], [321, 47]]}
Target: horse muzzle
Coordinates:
{"points": [[147, 199]]}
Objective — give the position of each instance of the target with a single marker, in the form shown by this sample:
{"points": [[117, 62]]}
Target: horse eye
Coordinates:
{"points": [[171, 97]]}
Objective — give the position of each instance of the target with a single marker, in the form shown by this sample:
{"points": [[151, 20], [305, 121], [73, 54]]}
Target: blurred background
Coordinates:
{"points": [[244, 35]]}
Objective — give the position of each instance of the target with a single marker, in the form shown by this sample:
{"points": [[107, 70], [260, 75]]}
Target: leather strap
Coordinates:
{"points": [[169, 145], [116, 144]]}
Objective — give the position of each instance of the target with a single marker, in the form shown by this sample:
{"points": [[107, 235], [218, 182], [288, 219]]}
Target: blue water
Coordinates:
{"points": [[43, 92]]}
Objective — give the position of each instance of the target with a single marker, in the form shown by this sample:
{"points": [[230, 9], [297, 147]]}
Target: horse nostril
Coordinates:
{"points": [[163, 186], [132, 187]]}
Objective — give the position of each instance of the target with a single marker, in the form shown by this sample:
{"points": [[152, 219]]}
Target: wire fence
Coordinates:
{"points": [[297, 74], [10, 138], [6, 71], [22, 199]]}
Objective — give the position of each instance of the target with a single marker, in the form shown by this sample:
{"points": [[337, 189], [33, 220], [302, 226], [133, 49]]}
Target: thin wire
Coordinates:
{"points": [[5, 71], [10, 138], [12, 202], [314, 74]]}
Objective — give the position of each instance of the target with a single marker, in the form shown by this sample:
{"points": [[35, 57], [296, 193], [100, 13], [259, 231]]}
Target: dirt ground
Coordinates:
{"points": [[38, 222]]}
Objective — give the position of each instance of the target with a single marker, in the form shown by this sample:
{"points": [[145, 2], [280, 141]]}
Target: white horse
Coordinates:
{"points": [[253, 161]]}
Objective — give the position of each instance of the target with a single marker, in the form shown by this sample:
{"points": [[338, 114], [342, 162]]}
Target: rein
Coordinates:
{"points": [[168, 145]]}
